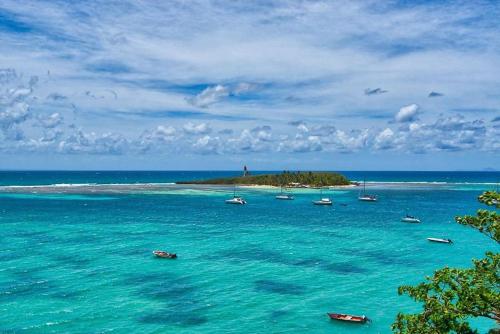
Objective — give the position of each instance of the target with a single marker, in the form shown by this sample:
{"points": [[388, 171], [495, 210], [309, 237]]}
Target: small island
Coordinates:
{"points": [[284, 179]]}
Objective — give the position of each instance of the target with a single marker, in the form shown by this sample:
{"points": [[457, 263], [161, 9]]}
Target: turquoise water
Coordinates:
{"points": [[82, 263]]}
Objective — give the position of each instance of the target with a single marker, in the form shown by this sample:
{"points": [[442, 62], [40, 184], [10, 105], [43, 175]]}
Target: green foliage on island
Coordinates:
{"points": [[452, 296], [313, 179]]}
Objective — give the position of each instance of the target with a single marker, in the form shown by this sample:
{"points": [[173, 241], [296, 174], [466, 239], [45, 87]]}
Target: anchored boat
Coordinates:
{"points": [[165, 255], [443, 241], [323, 201], [284, 196], [349, 318], [366, 197], [410, 219], [236, 199]]}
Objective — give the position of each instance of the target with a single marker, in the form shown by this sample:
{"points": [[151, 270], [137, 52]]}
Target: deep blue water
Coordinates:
{"points": [[58, 177], [82, 262]]}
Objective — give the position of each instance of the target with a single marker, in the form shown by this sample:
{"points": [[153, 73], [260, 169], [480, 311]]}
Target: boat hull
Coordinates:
{"points": [[411, 220], [235, 202], [348, 318], [165, 255], [442, 241], [284, 197], [322, 203], [367, 199]]}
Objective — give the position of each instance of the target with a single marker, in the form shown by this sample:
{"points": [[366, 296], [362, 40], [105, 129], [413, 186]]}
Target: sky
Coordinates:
{"points": [[202, 85]]}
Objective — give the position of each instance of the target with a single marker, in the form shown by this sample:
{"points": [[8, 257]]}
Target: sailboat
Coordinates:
{"points": [[236, 199], [366, 197], [323, 200], [284, 196]]}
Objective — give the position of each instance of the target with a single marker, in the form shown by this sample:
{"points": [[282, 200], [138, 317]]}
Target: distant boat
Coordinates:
{"points": [[236, 199], [284, 196], [165, 255], [366, 197], [349, 318], [443, 241], [410, 219], [323, 200]]}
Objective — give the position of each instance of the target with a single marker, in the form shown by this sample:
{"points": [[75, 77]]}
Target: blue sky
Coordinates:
{"points": [[368, 85]]}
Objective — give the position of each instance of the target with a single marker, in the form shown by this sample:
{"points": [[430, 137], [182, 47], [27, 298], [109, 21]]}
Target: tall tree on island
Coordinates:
{"points": [[451, 297]]}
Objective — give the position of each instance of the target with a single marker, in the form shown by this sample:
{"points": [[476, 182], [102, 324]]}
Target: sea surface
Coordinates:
{"points": [[75, 251]]}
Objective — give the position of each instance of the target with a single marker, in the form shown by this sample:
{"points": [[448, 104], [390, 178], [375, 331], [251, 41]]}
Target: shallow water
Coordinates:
{"points": [[82, 263]]}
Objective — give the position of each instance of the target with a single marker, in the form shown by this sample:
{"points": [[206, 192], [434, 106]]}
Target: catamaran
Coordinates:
{"points": [[236, 199], [284, 196], [366, 197]]}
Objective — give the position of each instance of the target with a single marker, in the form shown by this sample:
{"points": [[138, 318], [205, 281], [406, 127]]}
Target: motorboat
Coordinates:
{"points": [[236, 200], [323, 201], [165, 255], [348, 317], [410, 219], [443, 241]]}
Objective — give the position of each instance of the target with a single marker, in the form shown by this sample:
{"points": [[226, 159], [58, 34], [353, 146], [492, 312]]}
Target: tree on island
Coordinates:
{"points": [[452, 296]]}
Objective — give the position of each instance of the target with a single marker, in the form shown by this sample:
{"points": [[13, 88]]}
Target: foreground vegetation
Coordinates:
{"points": [[453, 296], [312, 179]]}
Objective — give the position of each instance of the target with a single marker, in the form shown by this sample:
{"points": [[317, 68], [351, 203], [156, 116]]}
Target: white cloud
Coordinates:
{"points": [[209, 95], [407, 113], [197, 129]]}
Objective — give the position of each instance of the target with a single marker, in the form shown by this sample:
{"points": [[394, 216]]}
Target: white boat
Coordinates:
{"points": [[284, 196], [366, 197], [236, 200], [410, 219], [323, 201], [443, 241]]}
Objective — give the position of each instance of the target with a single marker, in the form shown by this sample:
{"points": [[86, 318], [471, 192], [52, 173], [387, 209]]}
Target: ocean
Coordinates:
{"points": [[76, 256]]}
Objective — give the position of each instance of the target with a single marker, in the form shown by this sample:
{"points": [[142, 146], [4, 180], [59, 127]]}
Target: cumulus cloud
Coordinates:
{"points": [[15, 103], [384, 140], [197, 129], [407, 113], [207, 145], [375, 91], [91, 143]]}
